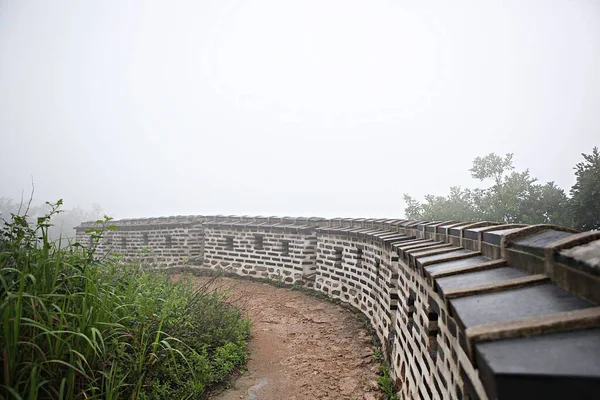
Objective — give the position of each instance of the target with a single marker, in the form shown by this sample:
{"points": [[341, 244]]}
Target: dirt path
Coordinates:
{"points": [[301, 348]]}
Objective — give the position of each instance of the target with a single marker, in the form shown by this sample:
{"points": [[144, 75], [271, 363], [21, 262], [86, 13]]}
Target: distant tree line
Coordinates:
{"points": [[517, 197], [63, 223]]}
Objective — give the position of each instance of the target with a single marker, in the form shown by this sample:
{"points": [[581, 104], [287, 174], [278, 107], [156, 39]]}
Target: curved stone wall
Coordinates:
{"points": [[463, 310]]}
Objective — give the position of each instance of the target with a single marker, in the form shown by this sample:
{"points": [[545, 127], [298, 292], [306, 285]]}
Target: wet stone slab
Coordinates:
{"points": [[443, 256], [509, 305], [465, 262], [562, 365], [585, 257], [495, 237], [473, 233], [535, 243], [478, 278]]}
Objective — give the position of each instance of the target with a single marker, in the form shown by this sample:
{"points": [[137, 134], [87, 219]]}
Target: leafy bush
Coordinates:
{"points": [[75, 327]]}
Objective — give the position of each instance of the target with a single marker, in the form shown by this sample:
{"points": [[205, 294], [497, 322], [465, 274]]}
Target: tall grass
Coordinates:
{"points": [[75, 327]]}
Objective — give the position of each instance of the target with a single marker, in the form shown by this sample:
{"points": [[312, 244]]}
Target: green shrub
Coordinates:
{"points": [[76, 327]]}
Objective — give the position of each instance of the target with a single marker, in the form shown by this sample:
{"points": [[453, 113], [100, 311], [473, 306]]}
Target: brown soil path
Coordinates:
{"points": [[301, 347]]}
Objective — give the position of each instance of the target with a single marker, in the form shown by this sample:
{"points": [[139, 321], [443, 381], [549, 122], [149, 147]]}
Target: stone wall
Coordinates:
{"points": [[165, 241], [463, 310], [270, 248]]}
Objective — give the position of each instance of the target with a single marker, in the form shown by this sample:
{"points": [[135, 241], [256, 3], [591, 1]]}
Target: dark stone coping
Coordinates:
{"points": [[397, 239], [421, 260], [262, 226], [535, 243], [513, 304], [403, 248], [400, 245], [495, 237], [369, 234], [419, 252], [563, 365], [444, 228], [347, 230], [422, 227], [390, 234], [456, 231], [357, 231], [465, 262], [413, 224], [384, 233], [585, 257], [477, 278], [142, 227], [473, 233], [328, 229], [395, 222]]}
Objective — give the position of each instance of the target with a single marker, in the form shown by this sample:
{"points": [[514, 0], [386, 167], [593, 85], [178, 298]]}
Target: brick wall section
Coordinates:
{"points": [[165, 241], [421, 284], [284, 253]]}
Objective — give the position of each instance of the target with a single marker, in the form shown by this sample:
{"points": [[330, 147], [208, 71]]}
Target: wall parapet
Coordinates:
{"points": [[476, 310]]}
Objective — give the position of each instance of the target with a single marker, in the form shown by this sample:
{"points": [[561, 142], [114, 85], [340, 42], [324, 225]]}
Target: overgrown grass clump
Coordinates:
{"points": [[75, 327]]}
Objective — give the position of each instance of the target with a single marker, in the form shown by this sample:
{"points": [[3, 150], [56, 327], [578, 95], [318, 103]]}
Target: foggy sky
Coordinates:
{"points": [[295, 107]]}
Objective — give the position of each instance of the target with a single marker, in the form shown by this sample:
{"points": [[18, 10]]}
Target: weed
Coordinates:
{"points": [[386, 383]]}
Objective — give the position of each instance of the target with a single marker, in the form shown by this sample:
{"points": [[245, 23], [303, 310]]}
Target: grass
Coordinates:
{"points": [[73, 327], [386, 383]]}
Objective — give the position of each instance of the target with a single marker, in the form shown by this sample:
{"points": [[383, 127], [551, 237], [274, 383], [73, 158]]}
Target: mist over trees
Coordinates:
{"points": [[517, 197], [63, 223]]}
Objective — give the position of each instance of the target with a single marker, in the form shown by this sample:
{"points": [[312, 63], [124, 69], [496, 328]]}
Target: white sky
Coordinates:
{"points": [[328, 108]]}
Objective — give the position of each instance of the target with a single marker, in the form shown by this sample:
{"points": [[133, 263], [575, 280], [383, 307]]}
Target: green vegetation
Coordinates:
{"points": [[378, 356], [585, 194], [63, 223], [386, 383], [75, 327], [516, 197]]}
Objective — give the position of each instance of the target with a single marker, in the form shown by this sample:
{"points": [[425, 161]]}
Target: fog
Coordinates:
{"points": [[326, 108]]}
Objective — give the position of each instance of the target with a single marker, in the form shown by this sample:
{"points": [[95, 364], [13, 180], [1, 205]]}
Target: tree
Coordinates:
{"points": [[585, 194], [554, 202], [513, 197], [459, 204], [413, 209], [492, 166]]}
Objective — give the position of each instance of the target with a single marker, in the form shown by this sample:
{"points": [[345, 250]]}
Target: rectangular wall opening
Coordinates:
{"points": [[258, 242], [285, 247], [359, 255], [228, 242], [338, 256], [168, 241], [432, 332], [123, 241], [145, 239], [410, 309]]}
